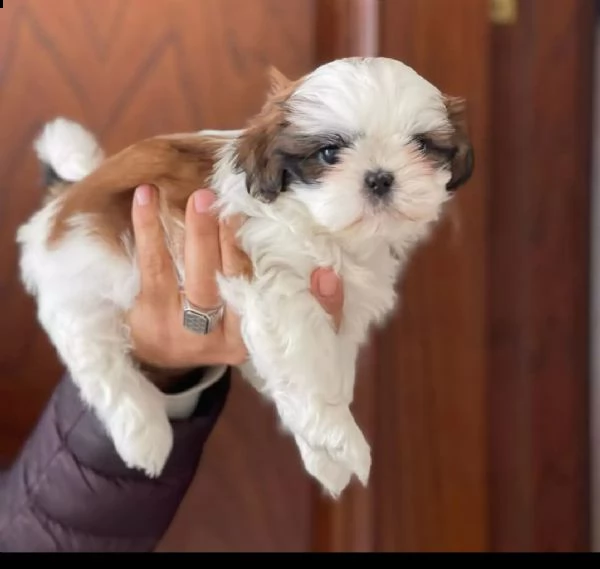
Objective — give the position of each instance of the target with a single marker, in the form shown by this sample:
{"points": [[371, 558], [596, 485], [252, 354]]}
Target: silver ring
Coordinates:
{"points": [[200, 321]]}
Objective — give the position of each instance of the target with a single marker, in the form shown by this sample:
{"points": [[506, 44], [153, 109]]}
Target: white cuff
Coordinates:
{"points": [[182, 405]]}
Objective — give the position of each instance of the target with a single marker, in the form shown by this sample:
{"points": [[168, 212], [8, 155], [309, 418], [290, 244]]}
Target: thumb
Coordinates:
{"points": [[327, 288]]}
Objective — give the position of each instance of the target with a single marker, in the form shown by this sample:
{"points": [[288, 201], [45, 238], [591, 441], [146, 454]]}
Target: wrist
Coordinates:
{"points": [[169, 380]]}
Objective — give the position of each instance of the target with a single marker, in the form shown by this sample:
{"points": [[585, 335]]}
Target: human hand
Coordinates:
{"points": [[155, 320]]}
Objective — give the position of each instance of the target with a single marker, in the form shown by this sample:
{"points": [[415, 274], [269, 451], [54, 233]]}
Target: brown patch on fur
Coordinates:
{"points": [[451, 146], [259, 147], [463, 161], [272, 153], [176, 165]]}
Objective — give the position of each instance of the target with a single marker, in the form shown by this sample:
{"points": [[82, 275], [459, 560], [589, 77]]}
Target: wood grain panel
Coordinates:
{"points": [[130, 69], [539, 264], [431, 455]]}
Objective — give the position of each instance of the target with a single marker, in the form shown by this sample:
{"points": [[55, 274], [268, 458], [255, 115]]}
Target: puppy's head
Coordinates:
{"points": [[358, 139]]}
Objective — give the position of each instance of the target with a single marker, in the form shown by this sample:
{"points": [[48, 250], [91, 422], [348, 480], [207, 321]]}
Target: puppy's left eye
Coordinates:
{"points": [[422, 143], [329, 154]]}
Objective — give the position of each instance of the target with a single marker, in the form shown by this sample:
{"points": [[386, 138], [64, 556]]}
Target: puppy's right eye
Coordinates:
{"points": [[427, 146], [329, 154]]}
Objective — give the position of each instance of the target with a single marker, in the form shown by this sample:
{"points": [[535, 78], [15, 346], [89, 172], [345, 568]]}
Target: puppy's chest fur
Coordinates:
{"points": [[283, 262]]}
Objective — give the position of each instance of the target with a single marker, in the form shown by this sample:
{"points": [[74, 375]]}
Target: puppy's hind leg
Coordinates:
{"points": [[93, 345]]}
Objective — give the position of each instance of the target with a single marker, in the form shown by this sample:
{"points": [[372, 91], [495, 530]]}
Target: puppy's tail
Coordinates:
{"points": [[67, 152]]}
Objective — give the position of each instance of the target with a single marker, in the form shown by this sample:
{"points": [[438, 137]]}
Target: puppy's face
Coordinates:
{"points": [[356, 140]]}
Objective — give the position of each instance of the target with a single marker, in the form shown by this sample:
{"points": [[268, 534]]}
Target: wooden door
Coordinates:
{"points": [[130, 69], [539, 266], [474, 396]]}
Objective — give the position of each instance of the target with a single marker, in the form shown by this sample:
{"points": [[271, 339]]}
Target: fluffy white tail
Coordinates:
{"points": [[67, 151]]}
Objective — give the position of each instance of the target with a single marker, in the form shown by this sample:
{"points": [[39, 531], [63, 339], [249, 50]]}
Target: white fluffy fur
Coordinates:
{"points": [[297, 360]]}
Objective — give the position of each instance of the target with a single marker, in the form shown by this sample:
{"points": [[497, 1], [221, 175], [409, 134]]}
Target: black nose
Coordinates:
{"points": [[379, 182]]}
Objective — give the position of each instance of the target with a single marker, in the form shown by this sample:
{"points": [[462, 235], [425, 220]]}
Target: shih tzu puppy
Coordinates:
{"points": [[348, 167]]}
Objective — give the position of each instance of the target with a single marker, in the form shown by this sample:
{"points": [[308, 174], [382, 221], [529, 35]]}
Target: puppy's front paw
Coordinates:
{"points": [[143, 443], [332, 475]]}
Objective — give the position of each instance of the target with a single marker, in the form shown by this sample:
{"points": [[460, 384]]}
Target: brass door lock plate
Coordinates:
{"points": [[503, 12]]}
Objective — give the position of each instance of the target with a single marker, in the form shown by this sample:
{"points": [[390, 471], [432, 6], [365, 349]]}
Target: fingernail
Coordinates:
{"points": [[328, 284], [203, 200], [143, 195]]}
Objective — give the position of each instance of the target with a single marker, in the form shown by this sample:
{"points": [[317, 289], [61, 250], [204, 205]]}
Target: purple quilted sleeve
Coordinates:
{"points": [[69, 490]]}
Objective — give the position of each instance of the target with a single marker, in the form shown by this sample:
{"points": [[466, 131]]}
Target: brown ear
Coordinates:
{"points": [[463, 161], [258, 158], [259, 153], [279, 82]]}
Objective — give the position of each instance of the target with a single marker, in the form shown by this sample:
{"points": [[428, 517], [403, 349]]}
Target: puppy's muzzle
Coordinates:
{"points": [[379, 182]]}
